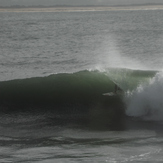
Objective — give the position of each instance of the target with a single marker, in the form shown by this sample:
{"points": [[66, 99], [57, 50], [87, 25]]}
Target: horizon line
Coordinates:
{"points": [[80, 8]]}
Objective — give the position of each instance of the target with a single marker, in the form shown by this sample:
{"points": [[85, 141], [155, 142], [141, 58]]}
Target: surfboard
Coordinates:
{"points": [[113, 94], [118, 91], [109, 94]]}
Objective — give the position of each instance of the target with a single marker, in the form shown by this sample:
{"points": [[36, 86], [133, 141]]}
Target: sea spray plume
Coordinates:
{"points": [[146, 101], [113, 55]]}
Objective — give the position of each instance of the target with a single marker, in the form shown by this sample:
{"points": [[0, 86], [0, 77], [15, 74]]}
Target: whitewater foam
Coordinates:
{"points": [[146, 101]]}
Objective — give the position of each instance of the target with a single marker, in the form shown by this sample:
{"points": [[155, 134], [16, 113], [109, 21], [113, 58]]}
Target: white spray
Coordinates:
{"points": [[147, 100], [110, 54]]}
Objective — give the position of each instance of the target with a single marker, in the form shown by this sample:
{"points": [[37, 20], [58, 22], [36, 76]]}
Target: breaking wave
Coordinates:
{"points": [[146, 100], [84, 90]]}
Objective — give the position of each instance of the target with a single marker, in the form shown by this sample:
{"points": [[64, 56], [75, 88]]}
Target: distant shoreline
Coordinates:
{"points": [[80, 9]]}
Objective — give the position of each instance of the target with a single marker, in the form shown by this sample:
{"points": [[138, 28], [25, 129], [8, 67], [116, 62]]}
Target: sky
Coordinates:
{"points": [[75, 2]]}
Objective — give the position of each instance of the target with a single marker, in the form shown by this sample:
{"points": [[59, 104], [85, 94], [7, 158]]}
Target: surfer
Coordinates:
{"points": [[117, 91], [116, 88]]}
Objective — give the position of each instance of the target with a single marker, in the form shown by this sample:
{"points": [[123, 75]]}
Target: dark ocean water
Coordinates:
{"points": [[55, 68]]}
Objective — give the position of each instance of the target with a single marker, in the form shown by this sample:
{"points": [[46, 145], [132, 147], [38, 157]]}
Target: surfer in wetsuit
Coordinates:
{"points": [[116, 88]]}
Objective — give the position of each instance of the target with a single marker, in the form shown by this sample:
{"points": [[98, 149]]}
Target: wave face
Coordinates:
{"points": [[82, 91], [81, 88]]}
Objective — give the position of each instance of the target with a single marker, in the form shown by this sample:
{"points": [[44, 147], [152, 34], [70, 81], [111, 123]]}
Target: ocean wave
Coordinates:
{"points": [[57, 89], [66, 90]]}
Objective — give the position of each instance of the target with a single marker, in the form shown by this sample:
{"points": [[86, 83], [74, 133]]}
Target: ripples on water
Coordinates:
{"points": [[40, 44]]}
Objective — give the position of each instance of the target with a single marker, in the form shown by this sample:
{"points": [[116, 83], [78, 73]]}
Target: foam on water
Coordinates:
{"points": [[146, 101]]}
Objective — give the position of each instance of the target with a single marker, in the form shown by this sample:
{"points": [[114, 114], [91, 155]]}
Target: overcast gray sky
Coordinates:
{"points": [[75, 2]]}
